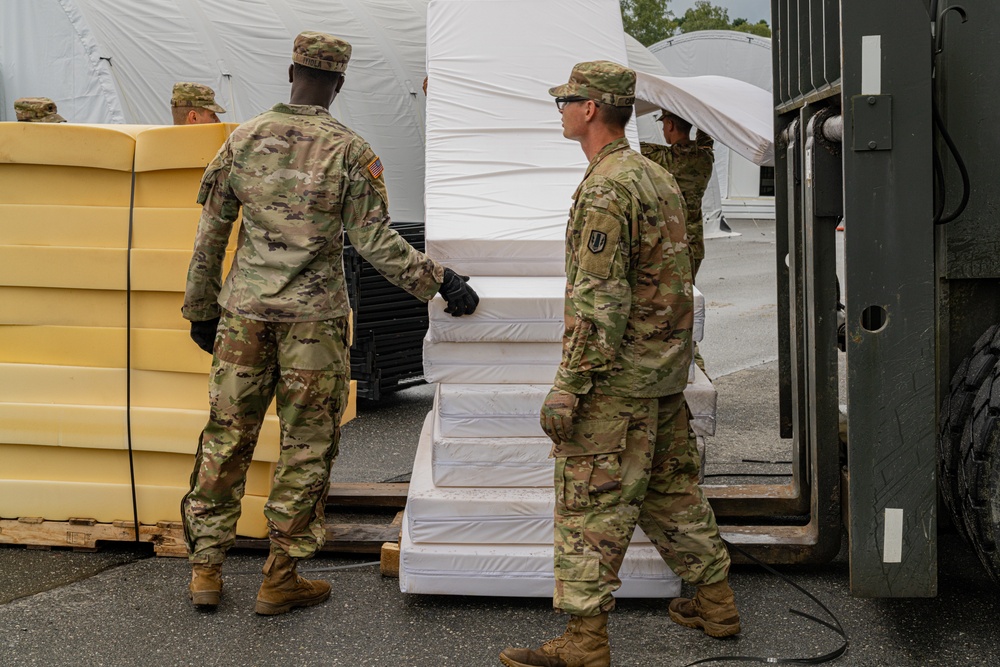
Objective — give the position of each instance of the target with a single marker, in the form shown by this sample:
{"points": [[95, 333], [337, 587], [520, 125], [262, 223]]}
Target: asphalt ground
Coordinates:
{"points": [[121, 606]]}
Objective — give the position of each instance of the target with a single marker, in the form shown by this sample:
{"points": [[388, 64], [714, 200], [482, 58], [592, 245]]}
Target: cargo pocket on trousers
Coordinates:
{"points": [[578, 567], [590, 463]]}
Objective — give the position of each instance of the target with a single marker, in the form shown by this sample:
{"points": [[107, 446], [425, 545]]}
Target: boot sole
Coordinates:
{"points": [[711, 629], [272, 609], [511, 663], [205, 598]]}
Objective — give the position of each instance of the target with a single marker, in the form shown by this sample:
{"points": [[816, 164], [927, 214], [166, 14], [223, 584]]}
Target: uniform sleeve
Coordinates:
{"points": [[220, 208], [658, 153], [366, 221], [599, 297], [704, 142]]}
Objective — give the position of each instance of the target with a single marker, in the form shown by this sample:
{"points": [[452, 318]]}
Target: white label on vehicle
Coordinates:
{"points": [[871, 65], [892, 548]]}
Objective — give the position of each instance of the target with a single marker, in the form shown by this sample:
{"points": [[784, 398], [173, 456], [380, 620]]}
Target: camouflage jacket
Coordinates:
{"points": [[691, 165], [629, 303], [303, 179]]}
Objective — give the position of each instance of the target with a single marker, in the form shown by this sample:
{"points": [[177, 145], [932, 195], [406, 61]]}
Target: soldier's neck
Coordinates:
{"points": [[597, 139]]}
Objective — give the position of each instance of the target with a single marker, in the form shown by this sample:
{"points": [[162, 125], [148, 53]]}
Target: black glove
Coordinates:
{"points": [[461, 298], [203, 333]]}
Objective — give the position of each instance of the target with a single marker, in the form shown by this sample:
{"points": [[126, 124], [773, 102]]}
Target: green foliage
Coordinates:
{"points": [[649, 21], [706, 16]]}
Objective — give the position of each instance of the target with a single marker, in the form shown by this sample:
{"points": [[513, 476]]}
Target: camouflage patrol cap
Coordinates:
{"points": [[321, 51], [601, 81], [36, 110], [186, 94]]}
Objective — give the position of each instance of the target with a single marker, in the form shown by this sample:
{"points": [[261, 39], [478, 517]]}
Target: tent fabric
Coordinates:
{"points": [[734, 113], [738, 55], [115, 62]]}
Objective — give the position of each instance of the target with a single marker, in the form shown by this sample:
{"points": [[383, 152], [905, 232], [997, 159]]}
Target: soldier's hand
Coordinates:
{"points": [[557, 415], [203, 333], [460, 297]]}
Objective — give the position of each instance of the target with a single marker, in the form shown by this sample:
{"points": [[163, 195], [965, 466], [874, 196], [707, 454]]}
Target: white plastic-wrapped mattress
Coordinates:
{"points": [[489, 410], [698, 330], [511, 309], [500, 176], [511, 570], [484, 462], [491, 363], [484, 515], [702, 399]]}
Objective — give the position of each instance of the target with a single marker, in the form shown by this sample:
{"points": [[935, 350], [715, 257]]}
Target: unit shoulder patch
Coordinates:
{"points": [[601, 233]]}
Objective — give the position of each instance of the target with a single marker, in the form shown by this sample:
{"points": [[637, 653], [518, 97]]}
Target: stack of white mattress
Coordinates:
{"points": [[500, 177]]}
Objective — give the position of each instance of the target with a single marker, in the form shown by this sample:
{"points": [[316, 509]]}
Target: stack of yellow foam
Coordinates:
{"points": [[66, 198]]}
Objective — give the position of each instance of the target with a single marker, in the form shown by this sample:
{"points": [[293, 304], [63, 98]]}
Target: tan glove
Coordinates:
{"points": [[557, 415]]}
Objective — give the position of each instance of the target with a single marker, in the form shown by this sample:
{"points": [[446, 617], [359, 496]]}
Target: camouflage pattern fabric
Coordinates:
{"points": [[691, 166], [306, 365], [303, 179], [36, 110], [599, 80], [321, 51], [631, 461], [629, 300], [187, 94]]}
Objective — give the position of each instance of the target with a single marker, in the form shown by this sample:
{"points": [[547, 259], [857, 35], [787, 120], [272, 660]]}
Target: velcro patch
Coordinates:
{"points": [[375, 167], [600, 236]]}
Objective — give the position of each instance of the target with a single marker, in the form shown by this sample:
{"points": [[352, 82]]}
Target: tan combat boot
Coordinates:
{"points": [[205, 588], [712, 610], [584, 644], [283, 589]]}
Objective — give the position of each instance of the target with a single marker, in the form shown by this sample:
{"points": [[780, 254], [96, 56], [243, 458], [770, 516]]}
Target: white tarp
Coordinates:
{"points": [[499, 174], [734, 113]]}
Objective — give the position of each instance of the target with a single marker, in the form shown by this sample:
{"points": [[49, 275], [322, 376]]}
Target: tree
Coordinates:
{"points": [[706, 16], [649, 21]]}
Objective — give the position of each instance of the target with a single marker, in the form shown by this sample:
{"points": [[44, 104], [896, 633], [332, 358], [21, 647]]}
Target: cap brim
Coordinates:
{"points": [[565, 90], [53, 118], [214, 107]]}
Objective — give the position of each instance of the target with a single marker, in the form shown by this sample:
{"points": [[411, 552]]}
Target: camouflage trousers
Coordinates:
{"points": [[306, 365], [631, 461]]}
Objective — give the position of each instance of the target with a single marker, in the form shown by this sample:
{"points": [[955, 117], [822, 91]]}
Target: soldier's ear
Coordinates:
{"points": [[192, 117]]}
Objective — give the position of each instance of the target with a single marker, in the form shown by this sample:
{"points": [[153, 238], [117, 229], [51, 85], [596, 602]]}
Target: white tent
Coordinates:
{"points": [[739, 56], [105, 61]]}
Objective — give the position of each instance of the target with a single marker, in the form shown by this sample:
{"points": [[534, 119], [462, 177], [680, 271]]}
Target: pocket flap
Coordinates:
{"points": [[577, 567], [594, 436]]}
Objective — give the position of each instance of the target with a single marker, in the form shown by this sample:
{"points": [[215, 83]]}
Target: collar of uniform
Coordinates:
{"points": [[300, 109], [613, 147]]}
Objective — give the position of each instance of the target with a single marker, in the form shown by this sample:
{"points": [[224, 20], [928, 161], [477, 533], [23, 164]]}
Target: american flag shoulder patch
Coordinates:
{"points": [[375, 167]]}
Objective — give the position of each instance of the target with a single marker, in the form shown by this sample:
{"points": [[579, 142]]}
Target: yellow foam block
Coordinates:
{"points": [[168, 350], [165, 270], [169, 188], [73, 226], [64, 186], [165, 228], [68, 385], [157, 310], [69, 307], [179, 147], [102, 146], [63, 346], [59, 501], [77, 385], [80, 268], [170, 229], [103, 427], [107, 466]]}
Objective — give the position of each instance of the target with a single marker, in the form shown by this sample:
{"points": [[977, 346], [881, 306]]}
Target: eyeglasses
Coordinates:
{"points": [[561, 102]]}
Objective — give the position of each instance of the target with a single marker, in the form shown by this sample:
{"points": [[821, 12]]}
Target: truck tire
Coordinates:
{"points": [[979, 474], [955, 411]]}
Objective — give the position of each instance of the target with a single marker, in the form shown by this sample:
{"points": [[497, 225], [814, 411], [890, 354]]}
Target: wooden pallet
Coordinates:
{"points": [[167, 537]]}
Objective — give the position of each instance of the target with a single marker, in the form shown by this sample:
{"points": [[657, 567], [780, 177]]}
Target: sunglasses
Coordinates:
{"points": [[561, 102]]}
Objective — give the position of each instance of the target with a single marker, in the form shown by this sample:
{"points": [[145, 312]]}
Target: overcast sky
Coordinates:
{"points": [[751, 10]]}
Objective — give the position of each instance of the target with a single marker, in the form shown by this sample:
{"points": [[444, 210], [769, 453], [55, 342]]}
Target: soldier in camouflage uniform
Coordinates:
{"points": [[279, 323], [36, 110], [194, 104], [624, 452], [690, 163]]}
